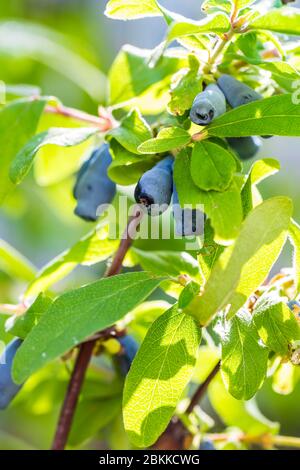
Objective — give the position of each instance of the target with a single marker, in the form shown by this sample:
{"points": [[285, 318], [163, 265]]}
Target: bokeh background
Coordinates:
{"points": [[80, 43]]}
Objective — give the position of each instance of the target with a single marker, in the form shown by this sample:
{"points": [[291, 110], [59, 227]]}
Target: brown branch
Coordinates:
{"points": [[86, 349], [201, 390], [176, 436]]}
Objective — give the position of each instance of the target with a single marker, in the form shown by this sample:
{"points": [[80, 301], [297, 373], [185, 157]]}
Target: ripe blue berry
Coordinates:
{"points": [[206, 445], [294, 305], [188, 221], [8, 388], [245, 147], [93, 187], [236, 92], [154, 189], [130, 348], [208, 105]]}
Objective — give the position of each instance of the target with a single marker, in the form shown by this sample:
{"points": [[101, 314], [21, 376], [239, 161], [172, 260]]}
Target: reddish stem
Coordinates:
{"points": [[86, 349], [103, 123]]}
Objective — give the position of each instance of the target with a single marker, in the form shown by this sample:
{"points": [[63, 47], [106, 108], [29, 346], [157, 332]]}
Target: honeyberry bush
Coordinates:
{"points": [[152, 359]]}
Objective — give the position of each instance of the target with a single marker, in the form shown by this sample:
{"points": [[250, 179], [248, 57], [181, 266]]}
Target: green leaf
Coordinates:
{"points": [[212, 166], [210, 251], [21, 325], [218, 23], [213, 6], [78, 314], [132, 64], [282, 73], [132, 9], [284, 20], [132, 132], [188, 293], [53, 164], [168, 138], [294, 236], [186, 84], [15, 264], [276, 324], [243, 267], [62, 137], [224, 209], [244, 358], [91, 416], [158, 376], [168, 263], [14, 134], [243, 415], [141, 318], [259, 171], [277, 115], [95, 247], [126, 167]]}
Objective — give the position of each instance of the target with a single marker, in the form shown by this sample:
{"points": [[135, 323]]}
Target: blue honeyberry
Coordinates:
{"points": [[245, 147], [206, 444], [154, 189], [294, 305], [208, 105], [188, 221], [236, 92], [93, 187], [129, 349], [8, 388]]}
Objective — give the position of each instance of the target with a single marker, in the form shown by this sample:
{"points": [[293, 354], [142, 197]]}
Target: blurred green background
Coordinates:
{"points": [[65, 47]]}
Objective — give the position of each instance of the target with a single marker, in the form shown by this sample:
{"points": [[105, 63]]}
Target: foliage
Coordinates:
{"points": [[221, 301]]}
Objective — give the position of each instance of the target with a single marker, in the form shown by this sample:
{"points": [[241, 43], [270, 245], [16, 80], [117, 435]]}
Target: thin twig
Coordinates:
{"points": [[201, 390], [176, 436], [86, 349], [104, 123]]}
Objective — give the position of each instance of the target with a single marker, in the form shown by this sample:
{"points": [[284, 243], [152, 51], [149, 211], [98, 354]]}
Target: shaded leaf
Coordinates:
{"points": [[167, 139], [14, 134], [284, 20], [223, 208], [62, 137], [158, 376], [243, 267], [132, 131], [276, 324], [277, 115], [212, 166], [21, 325], [78, 314], [244, 358]]}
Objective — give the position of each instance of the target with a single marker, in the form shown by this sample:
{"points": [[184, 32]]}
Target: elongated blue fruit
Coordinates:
{"points": [[93, 187], [208, 105], [245, 147], [294, 305], [130, 348], [8, 388], [236, 92], [206, 445], [188, 221], [154, 189]]}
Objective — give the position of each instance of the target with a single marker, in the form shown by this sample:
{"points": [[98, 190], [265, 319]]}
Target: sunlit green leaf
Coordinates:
{"points": [[158, 376], [74, 316]]}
